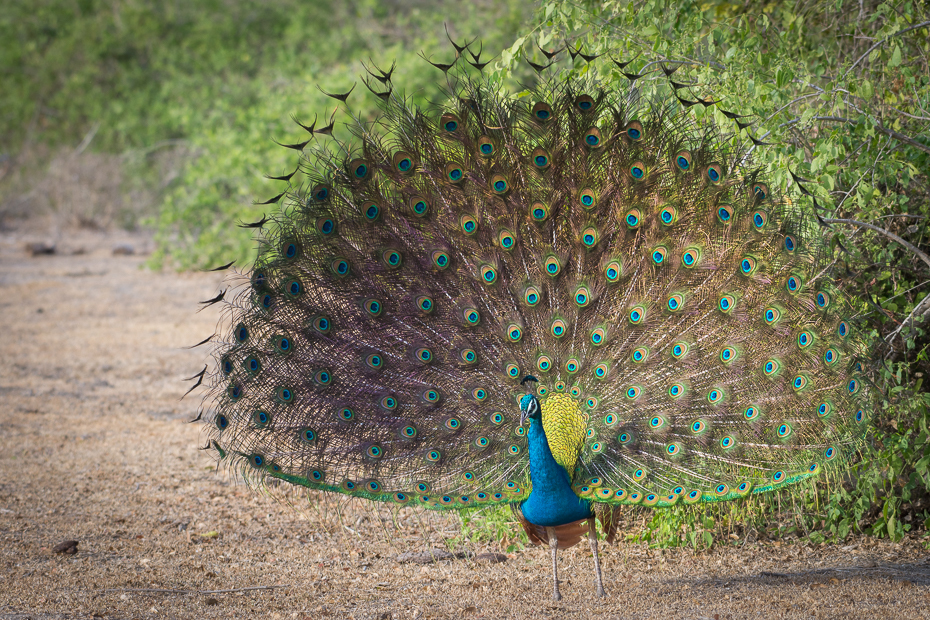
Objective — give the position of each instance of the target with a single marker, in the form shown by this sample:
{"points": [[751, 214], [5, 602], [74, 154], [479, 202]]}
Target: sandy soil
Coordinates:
{"points": [[94, 447]]}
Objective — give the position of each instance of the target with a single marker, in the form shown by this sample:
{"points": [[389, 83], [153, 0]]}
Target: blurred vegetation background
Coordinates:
{"points": [[160, 114]]}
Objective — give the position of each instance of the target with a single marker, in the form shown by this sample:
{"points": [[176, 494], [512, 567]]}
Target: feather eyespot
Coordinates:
{"points": [[431, 396], [572, 366], [374, 451], [634, 131], [633, 392], [290, 250], [402, 162], [760, 219], [790, 244], [633, 218], [668, 216], [751, 413], [339, 267], [373, 307], [639, 355], [388, 402], [676, 390], [500, 184], [449, 123], [587, 198], [424, 355], [241, 333], [637, 315], [346, 414], [553, 266], [441, 260], [584, 103], [698, 426], [488, 274], [514, 333], [680, 349], [823, 300], [726, 303], [683, 161], [831, 357], [293, 288], [321, 193], [371, 211], [539, 212], [261, 419], [531, 296], [771, 367], [805, 339], [221, 422], [842, 330], [453, 424], [486, 146], [613, 270], [728, 355], [675, 302], [598, 336], [322, 377], [468, 224], [374, 361], [715, 396], [592, 138], [419, 206], [468, 356], [425, 304], [748, 265], [658, 255], [690, 257], [714, 173], [760, 191], [542, 112], [771, 315], [284, 395], [724, 214], [589, 237], [601, 370], [392, 259], [558, 328], [582, 296], [540, 159], [282, 344], [325, 226], [359, 169], [638, 171], [543, 363], [506, 240], [321, 324], [824, 409]]}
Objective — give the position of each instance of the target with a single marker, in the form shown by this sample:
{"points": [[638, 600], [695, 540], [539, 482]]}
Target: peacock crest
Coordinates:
{"points": [[679, 314]]}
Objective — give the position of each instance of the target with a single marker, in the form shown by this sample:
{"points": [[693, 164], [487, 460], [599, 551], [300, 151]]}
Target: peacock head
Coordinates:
{"points": [[529, 404]]}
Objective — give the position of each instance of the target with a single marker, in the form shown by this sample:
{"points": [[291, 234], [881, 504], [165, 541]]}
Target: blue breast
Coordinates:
{"points": [[552, 501]]}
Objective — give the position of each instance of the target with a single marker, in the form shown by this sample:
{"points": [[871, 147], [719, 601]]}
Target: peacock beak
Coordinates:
{"points": [[523, 416]]}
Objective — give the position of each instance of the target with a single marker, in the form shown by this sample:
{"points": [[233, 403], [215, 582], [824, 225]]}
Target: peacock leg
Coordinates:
{"points": [[592, 538], [554, 546]]}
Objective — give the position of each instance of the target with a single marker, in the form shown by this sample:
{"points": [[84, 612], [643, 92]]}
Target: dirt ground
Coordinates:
{"points": [[94, 448]]}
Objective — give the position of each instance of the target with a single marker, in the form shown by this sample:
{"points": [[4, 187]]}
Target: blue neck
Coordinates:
{"points": [[552, 501]]}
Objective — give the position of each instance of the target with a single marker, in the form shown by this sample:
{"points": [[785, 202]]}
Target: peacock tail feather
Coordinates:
{"points": [[680, 315]]}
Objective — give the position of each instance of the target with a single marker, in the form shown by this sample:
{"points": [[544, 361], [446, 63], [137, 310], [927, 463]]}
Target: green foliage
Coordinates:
{"points": [[842, 93], [224, 78]]}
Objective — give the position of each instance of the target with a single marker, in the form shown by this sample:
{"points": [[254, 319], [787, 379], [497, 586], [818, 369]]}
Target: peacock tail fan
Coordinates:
{"points": [[680, 315]]}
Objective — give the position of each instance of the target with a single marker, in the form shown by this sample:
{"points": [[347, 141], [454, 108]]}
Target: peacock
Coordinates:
{"points": [[569, 301]]}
